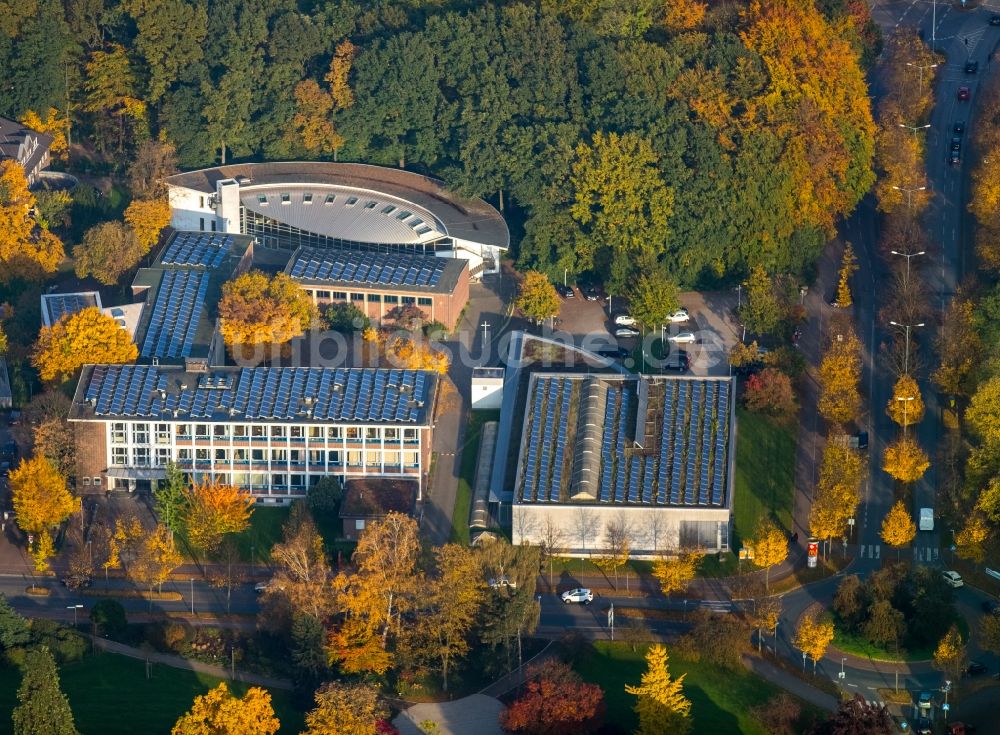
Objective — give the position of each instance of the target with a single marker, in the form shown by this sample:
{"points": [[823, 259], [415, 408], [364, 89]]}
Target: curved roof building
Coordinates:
{"points": [[322, 204]]}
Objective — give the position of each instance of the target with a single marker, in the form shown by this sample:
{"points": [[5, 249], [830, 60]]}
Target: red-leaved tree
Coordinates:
{"points": [[770, 392], [556, 701]]}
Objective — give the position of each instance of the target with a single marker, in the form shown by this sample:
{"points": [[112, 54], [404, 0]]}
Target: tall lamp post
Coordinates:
{"points": [[920, 68], [914, 128], [907, 327], [192, 595], [909, 192], [908, 257], [906, 403], [74, 608]]}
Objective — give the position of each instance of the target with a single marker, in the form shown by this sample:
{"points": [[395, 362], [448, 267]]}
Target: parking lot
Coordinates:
{"points": [[590, 325]]}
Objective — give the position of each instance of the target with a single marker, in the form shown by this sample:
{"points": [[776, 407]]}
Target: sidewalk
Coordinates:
{"points": [[177, 662], [790, 683]]}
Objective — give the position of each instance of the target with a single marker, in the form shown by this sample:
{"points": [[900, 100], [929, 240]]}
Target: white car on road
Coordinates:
{"points": [[953, 579], [624, 320], [581, 595], [683, 338]]}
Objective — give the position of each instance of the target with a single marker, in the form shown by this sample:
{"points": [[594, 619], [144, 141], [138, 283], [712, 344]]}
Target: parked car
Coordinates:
{"points": [[952, 578], [954, 158], [615, 353], [926, 521], [677, 361], [580, 595], [923, 726], [995, 19], [682, 338], [679, 317], [593, 293], [958, 128], [566, 292], [956, 143], [261, 587], [13, 418], [925, 700], [975, 668], [502, 582], [76, 581], [991, 607], [964, 94], [625, 320], [971, 67], [627, 332]]}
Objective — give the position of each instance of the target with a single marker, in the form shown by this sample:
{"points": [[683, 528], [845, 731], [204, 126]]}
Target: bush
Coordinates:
{"points": [[65, 643], [325, 496], [770, 392], [168, 636], [346, 318], [109, 617], [435, 330]]}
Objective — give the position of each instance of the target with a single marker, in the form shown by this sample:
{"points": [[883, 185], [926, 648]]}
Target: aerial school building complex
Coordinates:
{"points": [[378, 238]]}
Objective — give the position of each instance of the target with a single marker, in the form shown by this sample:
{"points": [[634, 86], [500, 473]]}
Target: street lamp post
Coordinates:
{"points": [[908, 256], [906, 402], [920, 68], [907, 327], [803, 662], [74, 608], [192, 595], [914, 128], [909, 192]]}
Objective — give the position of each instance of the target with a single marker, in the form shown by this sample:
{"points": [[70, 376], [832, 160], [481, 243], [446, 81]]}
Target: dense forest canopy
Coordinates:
{"points": [[622, 135]]}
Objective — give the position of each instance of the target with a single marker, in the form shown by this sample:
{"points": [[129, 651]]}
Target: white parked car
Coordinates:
{"points": [[926, 521], [679, 317], [581, 595], [624, 320], [953, 579], [627, 332], [682, 338]]}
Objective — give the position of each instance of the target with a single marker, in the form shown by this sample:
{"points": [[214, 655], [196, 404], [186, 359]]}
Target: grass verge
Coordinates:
{"points": [[110, 695], [765, 473], [722, 700], [467, 474]]}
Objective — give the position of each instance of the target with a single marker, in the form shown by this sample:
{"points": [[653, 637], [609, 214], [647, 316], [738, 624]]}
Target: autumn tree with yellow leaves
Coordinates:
{"points": [[212, 510], [770, 547], [404, 351], [147, 218], [684, 15], [312, 124], [27, 249], [958, 347], [87, 336], [373, 599], [972, 538], [675, 573], [838, 490], [905, 460], [839, 374], [814, 636], [661, 704], [220, 713], [156, 560], [848, 265], [906, 407], [898, 528], [950, 655], [345, 709], [537, 298], [54, 125], [40, 496], [108, 251], [257, 310]]}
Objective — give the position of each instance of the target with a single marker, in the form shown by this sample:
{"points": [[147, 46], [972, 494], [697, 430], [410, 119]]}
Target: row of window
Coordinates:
{"points": [[143, 457], [371, 298], [161, 433]]}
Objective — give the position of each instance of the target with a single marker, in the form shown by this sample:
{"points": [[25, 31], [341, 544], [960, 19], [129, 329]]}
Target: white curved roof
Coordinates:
{"points": [[444, 212], [348, 213]]}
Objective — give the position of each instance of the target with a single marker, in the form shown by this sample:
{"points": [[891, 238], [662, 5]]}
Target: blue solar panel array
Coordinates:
{"points": [[175, 314], [384, 269], [608, 443], [197, 249], [557, 464], [59, 305], [286, 394]]}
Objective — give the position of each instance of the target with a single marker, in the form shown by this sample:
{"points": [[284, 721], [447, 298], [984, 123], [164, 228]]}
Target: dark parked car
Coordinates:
{"points": [[991, 607], [976, 668], [923, 726], [964, 94], [955, 158], [566, 292], [615, 353], [593, 293], [971, 67], [956, 144], [958, 128], [995, 20], [76, 581], [677, 361]]}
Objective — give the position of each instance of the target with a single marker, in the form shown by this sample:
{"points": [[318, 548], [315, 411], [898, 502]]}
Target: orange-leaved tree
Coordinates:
{"points": [[906, 407], [26, 248], [905, 460], [839, 373], [108, 251], [211, 510], [898, 528], [40, 496], [770, 547], [54, 125], [88, 336], [220, 713], [257, 310], [147, 218]]}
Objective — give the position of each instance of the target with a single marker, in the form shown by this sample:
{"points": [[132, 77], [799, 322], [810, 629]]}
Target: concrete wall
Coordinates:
{"points": [[189, 210], [487, 393], [652, 530]]}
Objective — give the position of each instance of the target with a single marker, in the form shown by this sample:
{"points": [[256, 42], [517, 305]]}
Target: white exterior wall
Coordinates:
{"points": [[142, 444], [189, 207], [474, 252], [652, 529], [487, 393]]}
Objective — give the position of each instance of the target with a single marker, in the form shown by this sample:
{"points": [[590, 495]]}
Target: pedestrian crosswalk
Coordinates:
{"points": [[870, 551], [926, 554]]}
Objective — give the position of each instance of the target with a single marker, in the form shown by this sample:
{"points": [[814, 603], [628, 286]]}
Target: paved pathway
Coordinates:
{"points": [[476, 714], [177, 662], [790, 683]]}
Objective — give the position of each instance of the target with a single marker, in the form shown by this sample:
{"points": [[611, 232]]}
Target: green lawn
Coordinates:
{"points": [[765, 473], [467, 474], [264, 532], [110, 695], [721, 699]]}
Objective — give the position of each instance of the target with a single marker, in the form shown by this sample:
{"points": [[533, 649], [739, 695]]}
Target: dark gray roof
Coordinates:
{"points": [[393, 271], [299, 395], [636, 441], [13, 134], [467, 219], [175, 312]]}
